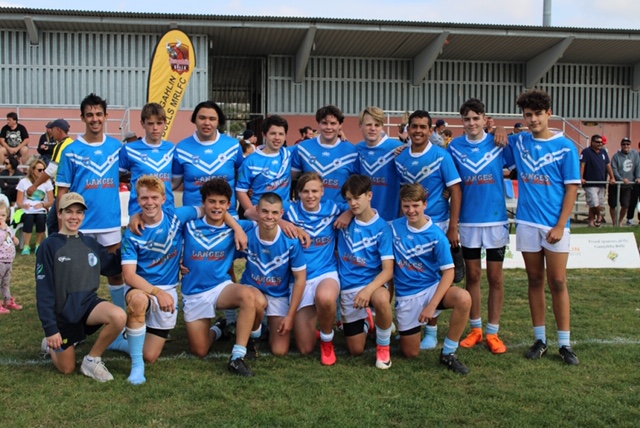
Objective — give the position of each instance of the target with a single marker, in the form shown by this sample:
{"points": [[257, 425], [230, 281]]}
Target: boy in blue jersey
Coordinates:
{"points": [[207, 154], [208, 256], [433, 167], [334, 159], [365, 265], [376, 159], [151, 264], [89, 166], [480, 164], [319, 302], [274, 261], [423, 278], [548, 177], [150, 155]]}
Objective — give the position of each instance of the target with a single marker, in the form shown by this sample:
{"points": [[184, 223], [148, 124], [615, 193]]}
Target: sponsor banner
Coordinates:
{"points": [[590, 251], [172, 65]]}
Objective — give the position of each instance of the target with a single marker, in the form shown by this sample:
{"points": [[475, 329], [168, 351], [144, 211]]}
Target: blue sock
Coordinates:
{"points": [[540, 333], [117, 296], [383, 336], [231, 315], [256, 334], [564, 338], [430, 337], [476, 323], [238, 351], [136, 346], [217, 331], [120, 344], [493, 328], [449, 346], [326, 337]]}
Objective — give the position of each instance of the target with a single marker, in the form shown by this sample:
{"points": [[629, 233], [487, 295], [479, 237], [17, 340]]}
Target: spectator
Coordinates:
{"points": [[35, 206], [250, 137], [448, 136], [130, 137], [518, 128], [594, 168], [14, 139], [634, 200], [306, 133], [46, 144], [8, 185], [626, 168], [490, 126], [436, 137]]}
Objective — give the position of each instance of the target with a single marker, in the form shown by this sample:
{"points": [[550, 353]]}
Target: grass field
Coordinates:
{"points": [[504, 390]]}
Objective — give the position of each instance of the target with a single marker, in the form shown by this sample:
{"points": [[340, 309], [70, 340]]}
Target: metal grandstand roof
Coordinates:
{"points": [[262, 36]]}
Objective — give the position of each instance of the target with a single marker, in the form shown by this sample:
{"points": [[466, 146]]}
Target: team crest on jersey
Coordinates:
{"points": [[208, 151], [414, 163], [144, 157], [426, 170], [222, 157], [538, 147], [195, 159], [178, 56], [93, 260], [337, 162], [326, 154], [312, 159], [266, 251], [475, 150], [265, 170], [371, 153], [274, 162], [98, 152], [86, 160], [149, 244]]}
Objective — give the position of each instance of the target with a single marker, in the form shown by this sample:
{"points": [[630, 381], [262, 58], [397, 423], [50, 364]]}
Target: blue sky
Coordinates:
{"points": [[565, 13]]}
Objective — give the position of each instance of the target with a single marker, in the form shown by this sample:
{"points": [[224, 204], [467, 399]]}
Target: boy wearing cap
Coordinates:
{"points": [[626, 168], [436, 136], [68, 269], [46, 144]]}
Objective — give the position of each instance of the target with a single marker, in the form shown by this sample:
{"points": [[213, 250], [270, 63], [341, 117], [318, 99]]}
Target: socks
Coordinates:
{"points": [[238, 351], [476, 323], [449, 346], [136, 346], [564, 338], [383, 336], [217, 331], [430, 337], [326, 337], [493, 328], [231, 315], [121, 344], [117, 296], [256, 334], [541, 333]]}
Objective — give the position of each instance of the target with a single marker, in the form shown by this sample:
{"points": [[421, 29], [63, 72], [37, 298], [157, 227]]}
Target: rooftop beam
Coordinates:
{"points": [[303, 54], [540, 64], [32, 30], [423, 62], [635, 84]]}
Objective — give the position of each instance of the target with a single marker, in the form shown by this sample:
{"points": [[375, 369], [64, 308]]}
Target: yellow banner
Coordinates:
{"points": [[172, 64]]}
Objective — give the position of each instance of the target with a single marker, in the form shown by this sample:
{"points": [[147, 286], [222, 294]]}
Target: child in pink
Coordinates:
{"points": [[8, 242]]}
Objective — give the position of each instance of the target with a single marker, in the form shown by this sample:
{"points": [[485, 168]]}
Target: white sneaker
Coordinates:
{"points": [[95, 369], [44, 349], [630, 222]]}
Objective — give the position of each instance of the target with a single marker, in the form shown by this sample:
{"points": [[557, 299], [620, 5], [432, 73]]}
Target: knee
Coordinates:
{"points": [[536, 281], [118, 318], [306, 348], [410, 352], [474, 276], [199, 351], [260, 301], [380, 300], [151, 357], [557, 285], [280, 351], [496, 282], [463, 301]]}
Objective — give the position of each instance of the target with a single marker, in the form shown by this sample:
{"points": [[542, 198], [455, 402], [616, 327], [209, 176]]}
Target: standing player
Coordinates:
{"points": [[433, 167], [480, 164], [365, 264], [208, 256], [548, 177], [150, 264], [272, 259], [207, 154], [376, 156], [319, 302], [334, 159], [423, 278], [90, 167], [150, 155]]}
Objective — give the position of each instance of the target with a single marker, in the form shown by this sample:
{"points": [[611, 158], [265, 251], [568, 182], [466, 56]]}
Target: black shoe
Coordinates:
{"points": [[252, 350], [239, 367], [452, 362], [231, 328], [569, 356], [458, 264], [537, 350], [221, 323]]}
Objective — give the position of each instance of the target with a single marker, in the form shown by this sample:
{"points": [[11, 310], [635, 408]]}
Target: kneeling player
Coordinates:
{"points": [[365, 257], [208, 255], [423, 276], [272, 258]]}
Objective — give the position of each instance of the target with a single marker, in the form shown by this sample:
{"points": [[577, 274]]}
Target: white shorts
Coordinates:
{"points": [[594, 196], [162, 320], [443, 225], [408, 308], [277, 306], [484, 236], [349, 313], [530, 239], [106, 239], [309, 296], [202, 305]]}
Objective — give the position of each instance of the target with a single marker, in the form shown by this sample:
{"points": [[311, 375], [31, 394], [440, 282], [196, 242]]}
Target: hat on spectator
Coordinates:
{"points": [[129, 135], [440, 122], [625, 139], [247, 134], [71, 198], [604, 140], [518, 125], [59, 123]]}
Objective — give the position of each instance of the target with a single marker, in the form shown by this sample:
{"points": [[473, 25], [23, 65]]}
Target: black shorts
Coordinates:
{"points": [[625, 195], [493, 254], [74, 333]]}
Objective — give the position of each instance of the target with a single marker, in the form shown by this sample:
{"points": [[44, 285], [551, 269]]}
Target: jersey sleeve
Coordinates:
{"points": [[508, 152], [186, 214], [129, 250], [239, 159], [66, 171], [45, 288], [124, 163], [244, 177], [298, 261], [449, 171], [444, 259], [296, 161], [571, 166], [177, 170], [385, 243]]}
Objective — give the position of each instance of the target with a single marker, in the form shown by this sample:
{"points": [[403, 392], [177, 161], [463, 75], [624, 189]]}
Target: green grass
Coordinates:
{"points": [[505, 390]]}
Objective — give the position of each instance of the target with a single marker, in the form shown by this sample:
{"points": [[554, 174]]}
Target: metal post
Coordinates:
{"points": [[546, 14]]}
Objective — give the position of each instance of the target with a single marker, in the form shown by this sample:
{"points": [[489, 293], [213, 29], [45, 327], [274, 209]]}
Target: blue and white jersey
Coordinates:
{"points": [[263, 173], [421, 256], [361, 249], [545, 166], [480, 165], [378, 163], [92, 171], [320, 255], [335, 164], [270, 263], [435, 170], [141, 158], [208, 254], [198, 162], [157, 251]]}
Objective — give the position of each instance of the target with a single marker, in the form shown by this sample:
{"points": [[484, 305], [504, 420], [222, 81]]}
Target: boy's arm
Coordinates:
{"points": [[131, 278], [46, 291], [239, 234], [299, 283], [363, 297], [612, 177], [568, 203], [455, 204]]}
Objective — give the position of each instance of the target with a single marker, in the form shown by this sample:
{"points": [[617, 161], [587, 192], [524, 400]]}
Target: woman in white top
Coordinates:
{"points": [[35, 206]]}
